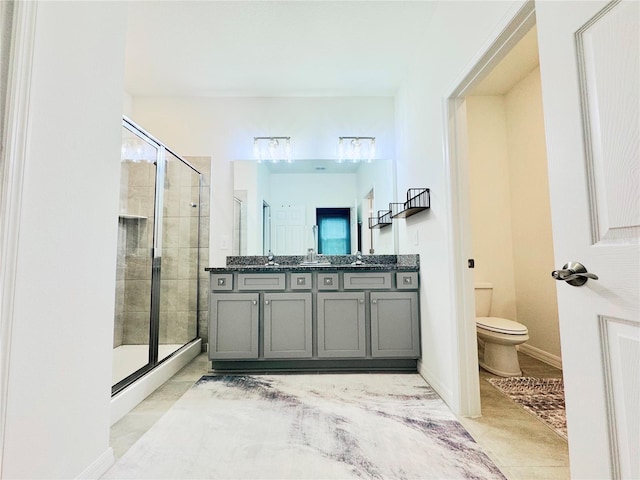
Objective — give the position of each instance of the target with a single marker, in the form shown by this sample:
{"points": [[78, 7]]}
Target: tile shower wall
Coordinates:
{"points": [[179, 310], [135, 239], [179, 276]]}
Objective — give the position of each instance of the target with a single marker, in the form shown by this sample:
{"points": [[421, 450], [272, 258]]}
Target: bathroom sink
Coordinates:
{"points": [[315, 264]]}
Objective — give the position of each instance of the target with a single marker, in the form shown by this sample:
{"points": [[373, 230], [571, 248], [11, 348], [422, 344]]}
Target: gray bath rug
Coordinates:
{"points": [[332, 426], [542, 397]]}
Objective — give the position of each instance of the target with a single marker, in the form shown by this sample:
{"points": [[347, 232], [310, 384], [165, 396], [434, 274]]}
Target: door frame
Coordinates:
{"points": [[15, 138], [455, 141]]}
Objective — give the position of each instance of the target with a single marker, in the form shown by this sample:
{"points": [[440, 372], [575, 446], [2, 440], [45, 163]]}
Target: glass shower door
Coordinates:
{"points": [[136, 223], [179, 256], [156, 307]]}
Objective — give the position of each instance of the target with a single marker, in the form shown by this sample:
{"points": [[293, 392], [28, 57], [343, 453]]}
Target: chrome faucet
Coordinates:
{"points": [[271, 258], [311, 255]]}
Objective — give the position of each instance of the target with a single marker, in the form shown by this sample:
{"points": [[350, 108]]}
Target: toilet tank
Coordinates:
{"points": [[483, 293]]}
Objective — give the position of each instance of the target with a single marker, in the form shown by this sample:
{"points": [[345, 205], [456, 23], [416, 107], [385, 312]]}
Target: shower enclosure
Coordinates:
{"points": [[156, 300]]}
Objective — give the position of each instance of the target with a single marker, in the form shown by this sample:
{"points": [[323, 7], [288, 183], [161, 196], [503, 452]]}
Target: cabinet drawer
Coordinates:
{"points": [[367, 280], [328, 281], [407, 280], [261, 281], [221, 282], [301, 281]]}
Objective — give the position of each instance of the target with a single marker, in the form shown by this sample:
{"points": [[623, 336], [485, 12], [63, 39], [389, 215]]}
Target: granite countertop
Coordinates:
{"points": [[293, 263]]}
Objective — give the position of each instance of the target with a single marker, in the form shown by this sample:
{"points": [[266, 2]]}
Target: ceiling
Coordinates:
{"points": [[272, 48]]}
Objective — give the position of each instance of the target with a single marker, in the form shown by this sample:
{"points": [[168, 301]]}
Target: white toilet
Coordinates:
{"points": [[497, 337]]}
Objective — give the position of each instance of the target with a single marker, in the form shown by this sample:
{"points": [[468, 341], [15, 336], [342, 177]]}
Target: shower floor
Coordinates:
{"points": [[129, 358]]}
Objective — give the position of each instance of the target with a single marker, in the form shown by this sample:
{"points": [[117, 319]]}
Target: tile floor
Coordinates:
{"points": [[521, 445]]}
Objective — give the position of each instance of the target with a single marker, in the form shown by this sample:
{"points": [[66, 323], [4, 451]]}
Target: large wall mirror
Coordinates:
{"points": [[322, 204]]}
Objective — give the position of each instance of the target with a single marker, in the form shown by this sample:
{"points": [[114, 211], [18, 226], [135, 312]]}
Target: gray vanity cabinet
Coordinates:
{"points": [[295, 319], [341, 324], [233, 326], [287, 325], [394, 324]]}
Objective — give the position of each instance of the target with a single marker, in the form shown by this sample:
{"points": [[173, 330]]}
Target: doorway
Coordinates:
{"points": [[460, 107], [334, 231], [512, 242]]}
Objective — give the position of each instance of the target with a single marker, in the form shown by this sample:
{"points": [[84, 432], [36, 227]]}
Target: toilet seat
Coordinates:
{"points": [[501, 325]]}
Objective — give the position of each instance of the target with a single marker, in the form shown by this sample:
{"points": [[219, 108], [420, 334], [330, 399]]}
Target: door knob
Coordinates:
{"points": [[574, 273]]}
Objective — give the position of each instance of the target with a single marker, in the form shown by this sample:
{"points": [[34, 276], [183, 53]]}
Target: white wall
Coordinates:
{"points": [[379, 177], [224, 129], [411, 126], [460, 34], [311, 191], [511, 215], [246, 179], [536, 298], [59, 382], [490, 201]]}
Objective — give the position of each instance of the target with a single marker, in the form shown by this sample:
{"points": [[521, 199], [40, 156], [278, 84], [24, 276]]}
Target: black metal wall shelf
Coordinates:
{"points": [[418, 199], [382, 220]]}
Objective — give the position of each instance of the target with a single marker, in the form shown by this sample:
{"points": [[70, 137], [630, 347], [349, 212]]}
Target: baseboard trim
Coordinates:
{"points": [[126, 400], [98, 468], [445, 393], [541, 355]]}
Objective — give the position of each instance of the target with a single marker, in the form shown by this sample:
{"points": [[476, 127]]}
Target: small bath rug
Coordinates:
{"points": [[329, 426], [542, 397]]}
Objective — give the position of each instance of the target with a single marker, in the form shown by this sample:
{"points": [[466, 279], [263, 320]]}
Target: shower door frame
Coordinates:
{"points": [[156, 256]]}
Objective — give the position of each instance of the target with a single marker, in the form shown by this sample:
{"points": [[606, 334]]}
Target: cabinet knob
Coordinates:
{"points": [[255, 302], [266, 302], [361, 301], [374, 301]]}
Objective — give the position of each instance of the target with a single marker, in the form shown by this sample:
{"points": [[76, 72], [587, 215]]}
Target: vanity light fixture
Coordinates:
{"points": [[356, 149], [273, 149], [136, 150]]}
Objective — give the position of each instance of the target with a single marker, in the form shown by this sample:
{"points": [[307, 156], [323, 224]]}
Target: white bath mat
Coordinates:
{"points": [[333, 426]]}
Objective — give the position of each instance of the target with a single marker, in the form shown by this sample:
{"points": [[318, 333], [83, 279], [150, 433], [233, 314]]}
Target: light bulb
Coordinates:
{"points": [[287, 149], [273, 149], [372, 150], [355, 150], [257, 154]]}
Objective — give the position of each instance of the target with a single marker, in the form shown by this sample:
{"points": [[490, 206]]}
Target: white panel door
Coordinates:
{"points": [[589, 62], [288, 225]]}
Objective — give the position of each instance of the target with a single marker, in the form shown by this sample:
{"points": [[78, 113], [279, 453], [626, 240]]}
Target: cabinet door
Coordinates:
{"points": [[341, 327], [394, 324], [233, 326], [287, 325]]}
